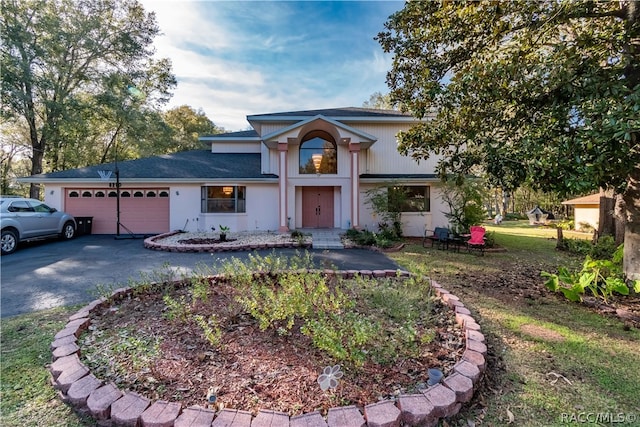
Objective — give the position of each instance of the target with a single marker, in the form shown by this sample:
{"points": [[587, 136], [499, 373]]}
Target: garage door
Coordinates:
{"points": [[142, 210]]}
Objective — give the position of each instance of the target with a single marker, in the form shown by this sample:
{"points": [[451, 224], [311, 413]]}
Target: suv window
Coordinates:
{"points": [[41, 207], [20, 206]]}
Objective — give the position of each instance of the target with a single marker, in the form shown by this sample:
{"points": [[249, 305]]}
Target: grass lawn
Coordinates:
{"points": [[551, 362]]}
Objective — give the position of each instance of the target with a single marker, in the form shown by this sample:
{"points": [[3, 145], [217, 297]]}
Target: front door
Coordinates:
{"points": [[317, 207]]}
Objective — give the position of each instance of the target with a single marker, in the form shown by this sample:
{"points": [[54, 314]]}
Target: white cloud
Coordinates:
{"points": [[233, 59]]}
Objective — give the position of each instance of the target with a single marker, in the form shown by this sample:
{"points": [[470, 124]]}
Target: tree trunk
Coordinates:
{"points": [[620, 219], [37, 157], [631, 263], [606, 225], [560, 244]]}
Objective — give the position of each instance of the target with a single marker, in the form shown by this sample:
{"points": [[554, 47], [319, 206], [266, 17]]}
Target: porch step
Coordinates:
{"points": [[326, 239]]}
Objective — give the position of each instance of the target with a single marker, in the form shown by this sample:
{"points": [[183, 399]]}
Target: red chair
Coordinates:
{"points": [[476, 241]]}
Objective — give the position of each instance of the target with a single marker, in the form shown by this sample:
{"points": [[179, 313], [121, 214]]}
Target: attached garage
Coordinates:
{"points": [[142, 210]]}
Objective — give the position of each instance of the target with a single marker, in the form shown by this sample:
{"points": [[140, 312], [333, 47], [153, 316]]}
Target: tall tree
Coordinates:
{"points": [[186, 125], [538, 92], [58, 54], [379, 101]]}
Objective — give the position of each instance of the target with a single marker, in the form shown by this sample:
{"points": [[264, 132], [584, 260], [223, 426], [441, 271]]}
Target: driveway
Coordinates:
{"points": [[51, 274]]}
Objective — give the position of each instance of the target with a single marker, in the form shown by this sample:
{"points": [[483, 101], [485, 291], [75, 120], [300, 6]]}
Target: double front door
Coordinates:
{"points": [[317, 207]]}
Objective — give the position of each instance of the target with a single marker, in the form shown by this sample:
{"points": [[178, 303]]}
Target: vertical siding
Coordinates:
{"points": [[383, 156]]}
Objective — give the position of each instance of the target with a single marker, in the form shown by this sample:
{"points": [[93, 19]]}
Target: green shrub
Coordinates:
{"points": [[600, 277], [578, 246], [514, 216], [566, 224], [604, 248], [344, 336], [366, 238]]}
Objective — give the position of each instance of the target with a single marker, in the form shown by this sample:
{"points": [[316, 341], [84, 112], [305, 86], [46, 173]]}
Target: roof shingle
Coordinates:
{"points": [[194, 164]]}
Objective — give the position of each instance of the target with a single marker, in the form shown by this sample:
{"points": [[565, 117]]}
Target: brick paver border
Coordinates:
{"points": [[110, 406]]}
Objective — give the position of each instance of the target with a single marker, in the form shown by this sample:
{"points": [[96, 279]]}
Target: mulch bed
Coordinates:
{"points": [[255, 369]]}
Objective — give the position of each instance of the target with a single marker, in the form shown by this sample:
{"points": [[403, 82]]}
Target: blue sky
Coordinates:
{"points": [[237, 58]]}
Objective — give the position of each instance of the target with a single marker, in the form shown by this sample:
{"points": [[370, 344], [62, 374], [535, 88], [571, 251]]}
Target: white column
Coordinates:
{"points": [[282, 187], [354, 151]]}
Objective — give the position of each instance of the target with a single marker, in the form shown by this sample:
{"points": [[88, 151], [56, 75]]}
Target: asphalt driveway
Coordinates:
{"points": [[51, 274]]}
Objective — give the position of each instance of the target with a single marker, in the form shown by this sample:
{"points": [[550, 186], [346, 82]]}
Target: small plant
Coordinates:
{"points": [[600, 277], [298, 236], [176, 309], [223, 233], [210, 329]]}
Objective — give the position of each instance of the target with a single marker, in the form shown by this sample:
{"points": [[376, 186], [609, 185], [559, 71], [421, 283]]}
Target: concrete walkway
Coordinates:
{"points": [[325, 238]]}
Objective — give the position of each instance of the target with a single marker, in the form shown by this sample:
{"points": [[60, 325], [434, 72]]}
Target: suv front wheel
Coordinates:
{"points": [[68, 231], [9, 241]]}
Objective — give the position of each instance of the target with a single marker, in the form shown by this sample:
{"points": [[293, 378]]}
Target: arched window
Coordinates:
{"points": [[99, 193], [87, 194], [138, 194], [125, 194], [164, 194], [151, 194], [73, 193], [318, 154]]}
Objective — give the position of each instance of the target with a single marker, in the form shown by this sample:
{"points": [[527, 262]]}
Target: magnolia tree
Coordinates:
{"points": [[545, 93]]}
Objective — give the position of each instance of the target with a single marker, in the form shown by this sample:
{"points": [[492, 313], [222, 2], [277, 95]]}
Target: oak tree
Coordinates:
{"points": [[60, 59], [539, 92]]}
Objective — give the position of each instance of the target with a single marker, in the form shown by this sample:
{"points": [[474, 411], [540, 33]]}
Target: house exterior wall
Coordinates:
{"points": [[236, 147], [383, 157], [370, 145], [261, 210], [413, 223], [586, 213]]}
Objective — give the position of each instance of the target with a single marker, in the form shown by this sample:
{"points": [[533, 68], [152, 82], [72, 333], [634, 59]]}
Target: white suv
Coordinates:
{"points": [[25, 219]]}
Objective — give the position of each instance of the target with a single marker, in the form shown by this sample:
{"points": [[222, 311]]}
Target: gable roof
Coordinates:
{"points": [[240, 135], [335, 113], [272, 137], [592, 199], [183, 166]]}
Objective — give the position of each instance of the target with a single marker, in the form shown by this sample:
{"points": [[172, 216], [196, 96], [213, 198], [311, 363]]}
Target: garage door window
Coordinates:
{"points": [[223, 199]]}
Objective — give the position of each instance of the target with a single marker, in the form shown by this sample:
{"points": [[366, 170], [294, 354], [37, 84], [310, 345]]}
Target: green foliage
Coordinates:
{"points": [[585, 227], [352, 320], [343, 336], [601, 277], [388, 202], [294, 296], [528, 86], [176, 309], [186, 126], [68, 64], [464, 200], [565, 224], [210, 329], [578, 246], [603, 248], [544, 93], [514, 216]]}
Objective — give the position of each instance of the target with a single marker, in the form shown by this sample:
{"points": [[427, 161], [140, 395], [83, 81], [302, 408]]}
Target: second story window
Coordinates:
{"points": [[318, 154]]}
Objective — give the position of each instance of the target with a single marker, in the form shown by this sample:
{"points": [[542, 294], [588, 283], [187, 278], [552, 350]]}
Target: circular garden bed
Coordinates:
{"points": [[260, 339]]}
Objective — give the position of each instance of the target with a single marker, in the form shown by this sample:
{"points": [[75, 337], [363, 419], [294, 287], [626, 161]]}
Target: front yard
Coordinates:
{"points": [[551, 362]]}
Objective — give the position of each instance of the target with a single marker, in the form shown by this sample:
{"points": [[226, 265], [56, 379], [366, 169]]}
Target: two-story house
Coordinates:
{"points": [[292, 170]]}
